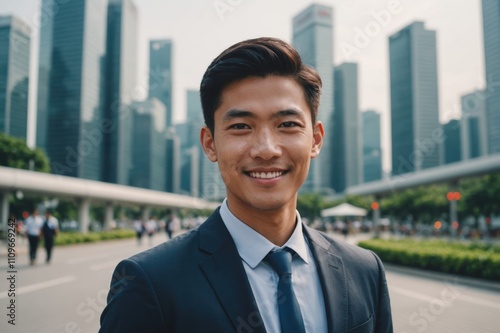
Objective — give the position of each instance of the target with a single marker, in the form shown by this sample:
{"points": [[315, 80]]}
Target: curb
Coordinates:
{"points": [[433, 275]]}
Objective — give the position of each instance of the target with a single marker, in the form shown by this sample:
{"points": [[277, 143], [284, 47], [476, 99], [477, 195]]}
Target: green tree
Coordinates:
{"points": [[310, 205], [480, 196], [15, 153]]}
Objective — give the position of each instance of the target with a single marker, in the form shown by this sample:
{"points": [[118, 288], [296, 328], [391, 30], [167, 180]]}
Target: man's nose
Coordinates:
{"points": [[265, 145]]}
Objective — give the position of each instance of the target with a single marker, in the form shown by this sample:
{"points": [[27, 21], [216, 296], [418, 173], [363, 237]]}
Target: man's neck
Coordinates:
{"points": [[275, 225]]}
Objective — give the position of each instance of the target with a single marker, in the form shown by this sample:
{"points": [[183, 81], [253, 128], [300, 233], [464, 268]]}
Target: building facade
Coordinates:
{"points": [[313, 39], [473, 127], [15, 37], [372, 149], [415, 128], [346, 165], [160, 74], [71, 90], [452, 148], [491, 31], [121, 69], [149, 145]]}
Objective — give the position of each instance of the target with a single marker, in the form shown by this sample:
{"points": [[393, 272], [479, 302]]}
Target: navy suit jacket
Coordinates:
{"points": [[197, 283]]}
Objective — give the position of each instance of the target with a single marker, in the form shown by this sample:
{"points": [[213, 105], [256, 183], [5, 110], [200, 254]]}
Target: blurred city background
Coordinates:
{"points": [[100, 116]]}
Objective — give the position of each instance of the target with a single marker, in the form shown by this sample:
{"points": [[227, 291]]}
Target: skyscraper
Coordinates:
{"points": [[416, 131], [452, 150], [14, 75], [172, 161], [149, 145], [70, 126], [160, 74], [491, 30], [121, 68], [313, 38], [473, 128], [346, 165], [189, 134], [372, 151]]}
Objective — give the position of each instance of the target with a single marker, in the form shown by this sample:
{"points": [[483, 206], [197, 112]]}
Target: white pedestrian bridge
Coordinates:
{"points": [[86, 191], [448, 173]]}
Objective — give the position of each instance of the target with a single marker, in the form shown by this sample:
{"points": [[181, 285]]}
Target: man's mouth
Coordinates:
{"points": [[266, 175]]}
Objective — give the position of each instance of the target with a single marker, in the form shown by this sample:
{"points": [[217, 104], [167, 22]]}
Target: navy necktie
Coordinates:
{"points": [[290, 317]]}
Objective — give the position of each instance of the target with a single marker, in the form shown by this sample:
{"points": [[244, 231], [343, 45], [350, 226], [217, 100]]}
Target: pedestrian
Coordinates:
{"points": [[253, 266], [151, 228], [50, 228], [139, 230], [33, 225], [169, 225]]}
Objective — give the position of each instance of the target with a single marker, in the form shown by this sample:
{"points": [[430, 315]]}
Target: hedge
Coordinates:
{"points": [[65, 238], [472, 259]]}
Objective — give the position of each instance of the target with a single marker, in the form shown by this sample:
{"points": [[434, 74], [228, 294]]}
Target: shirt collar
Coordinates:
{"points": [[252, 246]]}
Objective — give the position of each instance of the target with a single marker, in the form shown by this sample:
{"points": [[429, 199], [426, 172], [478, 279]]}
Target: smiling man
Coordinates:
{"points": [[253, 266]]}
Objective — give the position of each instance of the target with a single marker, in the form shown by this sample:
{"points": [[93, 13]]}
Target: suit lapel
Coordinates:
{"points": [[333, 282], [224, 270]]}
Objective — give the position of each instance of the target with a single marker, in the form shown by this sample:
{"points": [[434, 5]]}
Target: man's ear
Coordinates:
{"points": [[208, 144], [318, 135]]}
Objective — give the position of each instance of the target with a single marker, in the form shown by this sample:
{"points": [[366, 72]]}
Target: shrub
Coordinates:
{"points": [[473, 259], [66, 238]]}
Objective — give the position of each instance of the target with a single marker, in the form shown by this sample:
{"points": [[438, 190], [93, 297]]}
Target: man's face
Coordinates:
{"points": [[263, 142]]}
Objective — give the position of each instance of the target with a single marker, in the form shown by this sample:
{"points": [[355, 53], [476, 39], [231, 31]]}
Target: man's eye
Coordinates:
{"points": [[239, 126], [289, 124]]}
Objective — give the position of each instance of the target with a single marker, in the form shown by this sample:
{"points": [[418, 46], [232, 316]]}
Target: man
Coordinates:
{"points": [[50, 228], [32, 226], [253, 266]]}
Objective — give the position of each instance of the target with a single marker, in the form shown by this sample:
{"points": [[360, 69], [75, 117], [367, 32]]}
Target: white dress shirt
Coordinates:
{"points": [[252, 248], [33, 224]]}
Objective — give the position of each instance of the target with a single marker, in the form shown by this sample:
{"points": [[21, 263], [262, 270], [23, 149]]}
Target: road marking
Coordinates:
{"points": [[412, 294], [87, 258], [41, 285], [460, 297], [478, 301], [104, 265]]}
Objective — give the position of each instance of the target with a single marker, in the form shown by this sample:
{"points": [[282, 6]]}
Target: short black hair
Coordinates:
{"points": [[259, 57]]}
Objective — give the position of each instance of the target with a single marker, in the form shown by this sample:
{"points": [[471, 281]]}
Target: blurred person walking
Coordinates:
{"points": [[50, 228], [33, 225], [139, 230], [151, 228]]}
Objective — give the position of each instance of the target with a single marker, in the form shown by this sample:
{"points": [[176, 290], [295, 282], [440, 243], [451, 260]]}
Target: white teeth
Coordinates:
{"points": [[266, 175]]}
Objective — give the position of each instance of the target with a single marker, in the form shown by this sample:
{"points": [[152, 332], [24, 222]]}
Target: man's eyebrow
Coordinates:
{"points": [[236, 113], [287, 113]]}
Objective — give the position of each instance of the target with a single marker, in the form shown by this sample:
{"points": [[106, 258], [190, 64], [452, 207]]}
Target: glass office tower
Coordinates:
{"points": [[473, 127], [121, 69], [452, 147], [313, 38], [14, 76], [149, 145], [415, 128], [372, 150], [70, 126], [491, 30], [160, 74], [347, 159]]}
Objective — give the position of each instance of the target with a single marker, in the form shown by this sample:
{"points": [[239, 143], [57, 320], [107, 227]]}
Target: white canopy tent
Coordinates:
{"points": [[344, 209]]}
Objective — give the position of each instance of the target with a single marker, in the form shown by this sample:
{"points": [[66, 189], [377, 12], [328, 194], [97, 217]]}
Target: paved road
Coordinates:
{"points": [[68, 295]]}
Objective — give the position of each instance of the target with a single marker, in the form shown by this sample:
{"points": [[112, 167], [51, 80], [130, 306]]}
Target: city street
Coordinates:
{"points": [[69, 294]]}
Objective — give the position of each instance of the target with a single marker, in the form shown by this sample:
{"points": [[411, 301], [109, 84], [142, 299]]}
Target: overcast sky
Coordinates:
{"points": [[200, 32]]}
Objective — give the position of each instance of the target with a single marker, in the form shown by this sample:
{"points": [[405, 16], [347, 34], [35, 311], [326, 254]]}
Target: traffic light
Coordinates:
{"points": [[375, 205], [453, 196]]}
